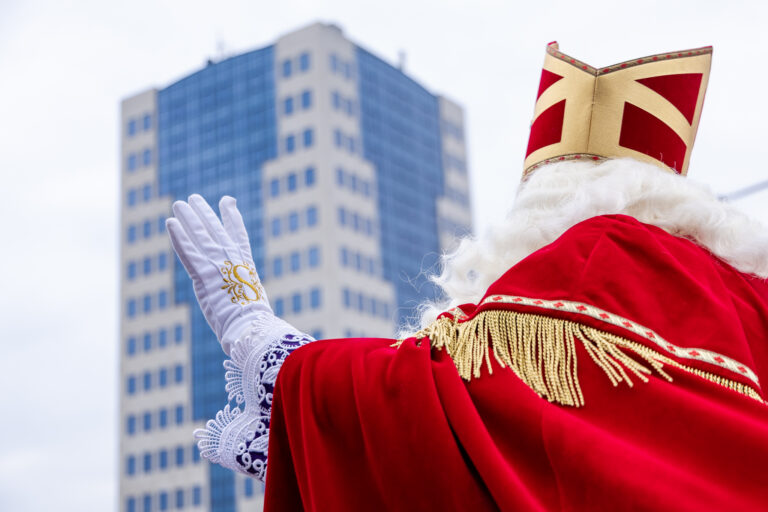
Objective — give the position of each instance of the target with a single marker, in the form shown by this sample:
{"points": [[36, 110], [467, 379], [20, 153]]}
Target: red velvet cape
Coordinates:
{"points": [[359, 425]]}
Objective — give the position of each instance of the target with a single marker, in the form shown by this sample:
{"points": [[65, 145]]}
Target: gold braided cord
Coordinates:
{"points": [[541, 351]]}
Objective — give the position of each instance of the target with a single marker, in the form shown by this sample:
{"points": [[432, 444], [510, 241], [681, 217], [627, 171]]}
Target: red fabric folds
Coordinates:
{"points": [[359, 425]]}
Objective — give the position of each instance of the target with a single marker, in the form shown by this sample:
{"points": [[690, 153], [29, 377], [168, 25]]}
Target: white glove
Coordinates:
{"points": [[218, 259]]}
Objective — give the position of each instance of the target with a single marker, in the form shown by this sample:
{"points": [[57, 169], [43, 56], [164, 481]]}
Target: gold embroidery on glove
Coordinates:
{"points": [[242, 282]]}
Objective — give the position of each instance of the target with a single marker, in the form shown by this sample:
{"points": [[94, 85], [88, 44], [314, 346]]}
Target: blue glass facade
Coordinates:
{"points": [[400, 123], [215, 129]]}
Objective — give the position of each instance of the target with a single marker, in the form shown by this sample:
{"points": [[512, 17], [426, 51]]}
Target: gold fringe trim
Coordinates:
{"points": [[541, 351]]}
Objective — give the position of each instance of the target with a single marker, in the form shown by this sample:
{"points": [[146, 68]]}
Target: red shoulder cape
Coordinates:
{"points": [[359, 425]]}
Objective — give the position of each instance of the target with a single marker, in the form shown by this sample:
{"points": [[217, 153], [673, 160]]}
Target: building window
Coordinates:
{"points": [[131, 199], [274, 187], [147, 231], [179, 455], [317, 334], [146, 157], [161, 224], [147, 422], [288, 106], [130, 384], [195, 454], [311, 216], [276, 227], [290, 144], [147, 265], [146, 192], [162, 418], [147, 342], [178, 334], [163, 498], [130, 346], [162, 261], [147, 381], [279, 307], [132, 162], [162, 299], [197, 495], [248, 490], [147, 122], [309, 176], [162, 338], [178, 373], [179, 498], [162, 459], [287, 68], [340, 177], [313, 257], [296, 302], [131, 308], [346, 297], [342, 216], [336, 100], [130, 425], [277, 267], [131, 234], [334, 62], [295, 261], [179, 414], [162, 381], [292, 182], [293, 221], [344, 257], [131, 127], [306, 99], [304, 61], [130, 465], [314, 298], [308, 137], [147, 304], [337, 138], [147, 465], [131, 270]]}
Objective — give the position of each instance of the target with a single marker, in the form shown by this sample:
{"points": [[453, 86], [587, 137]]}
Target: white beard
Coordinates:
{"points": [[560, 195]]}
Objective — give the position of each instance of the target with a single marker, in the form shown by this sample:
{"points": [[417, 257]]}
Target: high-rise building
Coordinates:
{"points": [[351, 178]]}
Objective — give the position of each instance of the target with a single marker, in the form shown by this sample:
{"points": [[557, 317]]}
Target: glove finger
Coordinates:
{"points": [[211, 222], [188, 254], [197, 232], [234, 225]]}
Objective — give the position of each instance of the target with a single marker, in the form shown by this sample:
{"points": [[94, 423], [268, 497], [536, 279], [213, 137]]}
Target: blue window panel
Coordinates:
{"points": [[296, 303], [147, 342], [179, 498], [179, 455], [132, 162], [368, 227], [147, 381], [374, 305], [162, 261], [162, 379], [162, 418], [311, 216], [147, 304], [288, 106], [346, 297], [340, 176], [131, 270], [295, 261], [197, 495], [162, 501], [178, 334], [346, 69], [306, 99], [248, 489], [314, 298], [130, 345], [342, 216], [146, 157], [290, 144], [147, 230], [287, 68], [131, 198], [162, 299], [292, 182], [351, 144], [130, 384], [277, 267], [162, 338], [279, 307], [162, 459], [178, 373], [147, 265], [147, 503], [131, 234], [146, 192], [147, 462], [351, 107], [147, 122], [360, 306], [309, 137], [336, 100], [161, 224], [131, 127], [371, 266], [130, 465], [358, 261], [274, 187], [304, 61], [334, 62], [344, 257], [131, 308], [293, 221], [317, 334], [355, 221], [313, 256], [179, 414], [338, 138], [130, 504], [309, 176], [195, 454], [276, 227], [366, 189], [353, 182], [130, 424]]}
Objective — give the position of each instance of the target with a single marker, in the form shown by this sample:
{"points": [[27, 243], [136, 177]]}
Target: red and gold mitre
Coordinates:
{"points": [[647, 109]]}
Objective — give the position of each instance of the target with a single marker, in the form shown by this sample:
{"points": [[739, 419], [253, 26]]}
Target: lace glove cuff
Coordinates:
{"points": [[238, 437]]}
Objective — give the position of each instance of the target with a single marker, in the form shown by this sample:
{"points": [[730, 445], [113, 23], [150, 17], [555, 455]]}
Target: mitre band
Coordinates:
{"points": [[647, 109]]}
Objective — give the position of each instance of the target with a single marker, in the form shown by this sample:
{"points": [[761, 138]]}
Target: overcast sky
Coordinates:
{"points": [[65, 66]]}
